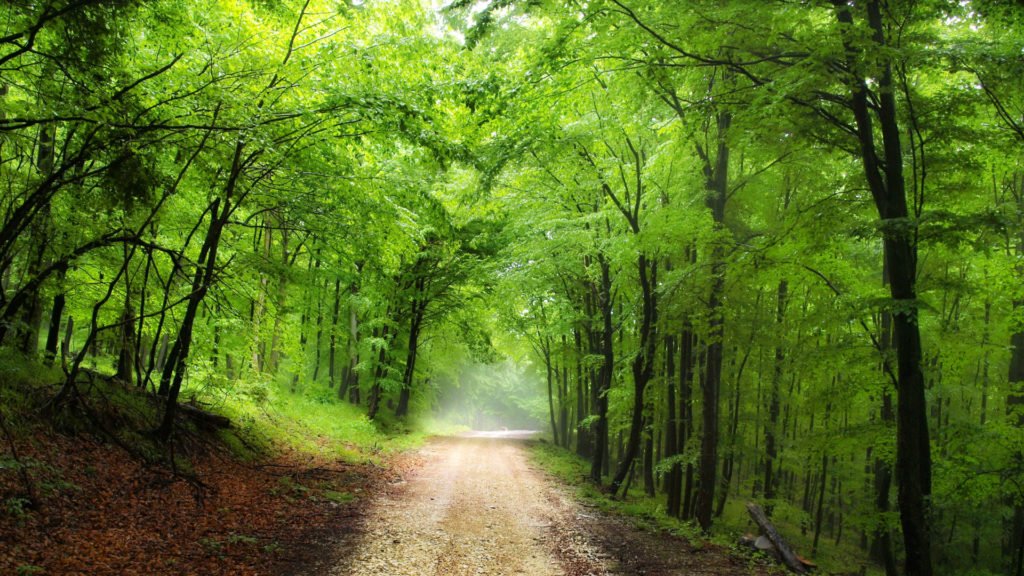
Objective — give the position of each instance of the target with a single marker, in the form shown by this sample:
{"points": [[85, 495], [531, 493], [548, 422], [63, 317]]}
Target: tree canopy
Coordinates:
{"points": [[736, 250]]}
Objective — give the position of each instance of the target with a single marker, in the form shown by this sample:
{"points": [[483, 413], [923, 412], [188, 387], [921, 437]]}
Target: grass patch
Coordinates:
{"points": [[316, 424], [267, 416], [338, 497]]}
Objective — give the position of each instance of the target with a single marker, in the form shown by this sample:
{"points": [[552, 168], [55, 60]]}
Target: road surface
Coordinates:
{"points": [[475, 506]]}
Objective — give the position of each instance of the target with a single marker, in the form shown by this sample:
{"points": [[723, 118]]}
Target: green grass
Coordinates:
{"points": [[268, 416]]}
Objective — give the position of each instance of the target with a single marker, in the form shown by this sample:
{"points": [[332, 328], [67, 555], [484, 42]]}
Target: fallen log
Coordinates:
{"points": [[204, 418], [785, 553]]}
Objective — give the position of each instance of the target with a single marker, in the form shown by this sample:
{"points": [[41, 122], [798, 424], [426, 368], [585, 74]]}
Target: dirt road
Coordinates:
{"points": [[474, 506]]}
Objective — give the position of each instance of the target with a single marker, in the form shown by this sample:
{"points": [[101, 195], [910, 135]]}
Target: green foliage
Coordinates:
{"points": [[425, 213]]}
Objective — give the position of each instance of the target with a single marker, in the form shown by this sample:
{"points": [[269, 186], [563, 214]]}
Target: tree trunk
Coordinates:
{"points": [[818, 516], [53, 333], [648, 462], [319, 327], [770, 448], [1015, 404], [545, 346], [373, 401], [716, 176], [604, 377], [687, 365], [415, 324], [201, 282], [643, 366], [674, 479], [280, 300], [332, 349], [126, 345], [583, 437], [884, 171], [259, 307]]}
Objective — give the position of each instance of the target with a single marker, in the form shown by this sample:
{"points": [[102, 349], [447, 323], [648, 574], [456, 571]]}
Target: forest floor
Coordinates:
{"points": [[474, 505], [457, 506], [97, 510]]}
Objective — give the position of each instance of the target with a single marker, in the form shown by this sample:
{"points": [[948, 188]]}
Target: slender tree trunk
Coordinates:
{"points": [[563, 401], [280, 301], [332, 349], [734, 423], [1015, 397], [545, 346], [818, 516], [351, 374], [771, 450], [201, 283], [416, 322], [319, 326], [56, 316], [687, 367], [674, 479], [373, 401], [265, 234], [126, 344], [648, 461], [582, 433], [717, 190], [643, 366], [604, 378]]}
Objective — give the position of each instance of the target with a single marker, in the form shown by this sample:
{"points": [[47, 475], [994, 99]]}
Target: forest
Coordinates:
{"points": [[725, 251]]}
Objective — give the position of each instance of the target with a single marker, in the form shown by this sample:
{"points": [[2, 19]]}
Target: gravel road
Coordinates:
{"points": [[473, 505]]}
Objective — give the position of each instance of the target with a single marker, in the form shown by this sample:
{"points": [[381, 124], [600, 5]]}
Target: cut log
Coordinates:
{"points": [[788, 557]]}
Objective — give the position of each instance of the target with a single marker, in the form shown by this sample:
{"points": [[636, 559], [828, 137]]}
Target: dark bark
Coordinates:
{"points": [[1015, 405], [220, 212], [201, 282], [604, 373], [126, 345], [280, 300], [545, 347], [583, 437], [643, 367], [563, 401], [770, 448], [716, 184], [674, 478], [884, 172], [687, 366], [818, 516], [374, 398], [648, 460], [419, 307], [351, 373], [881, 546], [318, 343], [53, 333], [332, 347]]}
